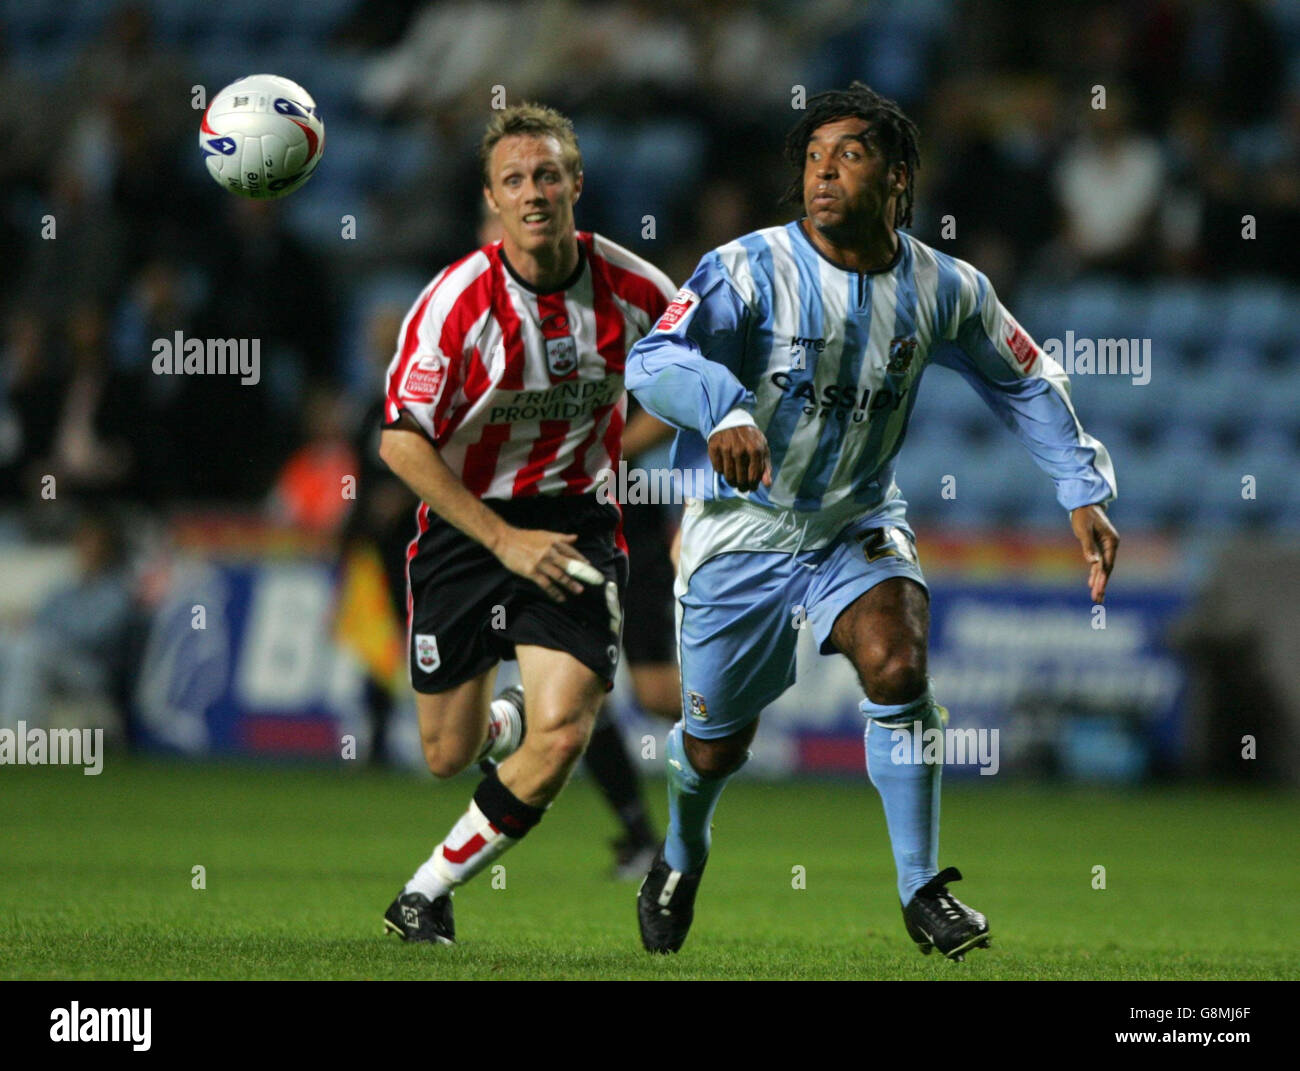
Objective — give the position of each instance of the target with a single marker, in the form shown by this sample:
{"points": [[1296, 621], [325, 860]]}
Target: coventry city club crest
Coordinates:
{"points": [[561, 356], [699, 708], [901, 351]]}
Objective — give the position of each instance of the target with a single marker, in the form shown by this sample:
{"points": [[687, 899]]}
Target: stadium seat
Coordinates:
{"points": [[1185, 440], [1220, 504], [1151, 482], [1041, 309], [1113, 398], [1204, 396], [1101, 308], [1235, 354], [1181, 312], [949, 398], [1115, 435], [1271, 458], [1257, 312]]}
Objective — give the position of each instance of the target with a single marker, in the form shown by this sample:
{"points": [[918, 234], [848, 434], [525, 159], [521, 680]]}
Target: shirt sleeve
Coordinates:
{"points": [[684, 370], [1028, 391], [424, 372]]}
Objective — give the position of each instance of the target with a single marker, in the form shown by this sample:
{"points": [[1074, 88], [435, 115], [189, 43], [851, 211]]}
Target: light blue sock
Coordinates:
{"points": [[908, 789], [692, 800]]}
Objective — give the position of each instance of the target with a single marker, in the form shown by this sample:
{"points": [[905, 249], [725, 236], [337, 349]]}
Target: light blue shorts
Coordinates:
{"points": [[740, 615]]}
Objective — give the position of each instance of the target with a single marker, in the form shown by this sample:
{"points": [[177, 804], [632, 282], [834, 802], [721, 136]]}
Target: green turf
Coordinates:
{"points": [[95, 881]]}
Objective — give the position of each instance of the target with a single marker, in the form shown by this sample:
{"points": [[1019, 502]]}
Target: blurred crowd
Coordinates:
{"points": [[117, 237]]}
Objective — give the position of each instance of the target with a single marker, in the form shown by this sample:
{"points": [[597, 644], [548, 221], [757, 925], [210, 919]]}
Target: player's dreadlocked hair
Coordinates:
{"points": [[535, 120], [892, 131]]}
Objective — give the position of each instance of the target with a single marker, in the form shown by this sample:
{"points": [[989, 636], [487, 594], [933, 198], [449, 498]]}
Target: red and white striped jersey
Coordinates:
{"points": [[522, 392]]}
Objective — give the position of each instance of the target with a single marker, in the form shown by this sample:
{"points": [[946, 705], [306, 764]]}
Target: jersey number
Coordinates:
{"points": [[878, 543]]}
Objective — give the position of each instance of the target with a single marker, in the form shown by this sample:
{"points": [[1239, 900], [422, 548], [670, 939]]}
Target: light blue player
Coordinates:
{"points": [[793, 354]]}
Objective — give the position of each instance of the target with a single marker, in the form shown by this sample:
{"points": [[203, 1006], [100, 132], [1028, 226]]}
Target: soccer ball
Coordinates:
{"points": [[261, 136]]}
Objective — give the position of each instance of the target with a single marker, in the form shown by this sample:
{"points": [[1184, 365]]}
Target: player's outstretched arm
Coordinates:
{"points": [[1100, 541], [546, 558], [684, 370], [1031, 395]]}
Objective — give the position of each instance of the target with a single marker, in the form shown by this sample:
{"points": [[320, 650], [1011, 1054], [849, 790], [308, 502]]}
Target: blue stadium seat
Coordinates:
{"points": [[1158, 481], [919, 474], [1218, 492], [963, 512], [1182, 312], [1008, 475], [1208, 396], [1135, 513], [1042, 310], [1271, 459], [949, 398], [1194, 442], [1115, 435], [1269, 398], [1234, 355], [1102, 308], [1258, 312], [1111, 398]]}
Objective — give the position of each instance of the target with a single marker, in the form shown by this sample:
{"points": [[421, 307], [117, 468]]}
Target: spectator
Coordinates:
{"points": [[1108, 185], [75, 642]]}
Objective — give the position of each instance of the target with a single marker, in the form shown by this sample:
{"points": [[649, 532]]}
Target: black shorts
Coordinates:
{"points": [[468, 611], [650, 635]]}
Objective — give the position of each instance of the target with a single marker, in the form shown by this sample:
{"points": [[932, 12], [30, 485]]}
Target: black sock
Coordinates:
{"points": [[609, 763], [506, 811]]}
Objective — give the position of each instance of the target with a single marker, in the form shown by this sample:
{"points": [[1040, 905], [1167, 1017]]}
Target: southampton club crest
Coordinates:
{"points": [[901, 352], [426, 652], [561, 356]]}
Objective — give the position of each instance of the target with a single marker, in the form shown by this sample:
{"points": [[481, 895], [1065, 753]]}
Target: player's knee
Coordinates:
{"points": [[562, 746], [443, 760], [899, 677], [717, 758]]}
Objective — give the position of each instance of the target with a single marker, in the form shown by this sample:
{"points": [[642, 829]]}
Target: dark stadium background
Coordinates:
{"points": [[1171, 215]]}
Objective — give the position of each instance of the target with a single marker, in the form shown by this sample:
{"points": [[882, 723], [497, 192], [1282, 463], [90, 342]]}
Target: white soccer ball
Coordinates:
{"points": [[261, 136]]}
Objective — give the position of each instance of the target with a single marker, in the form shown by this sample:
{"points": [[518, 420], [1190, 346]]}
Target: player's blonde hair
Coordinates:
{"points": [[532, 120]]}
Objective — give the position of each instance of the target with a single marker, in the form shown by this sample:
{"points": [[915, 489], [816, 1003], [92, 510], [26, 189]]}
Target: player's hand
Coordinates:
{"points": [[548, 559], [1100, 541], [740, 455]]}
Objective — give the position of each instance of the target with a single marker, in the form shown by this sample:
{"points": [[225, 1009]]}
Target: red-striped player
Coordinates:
{"points": [[504, 401]]}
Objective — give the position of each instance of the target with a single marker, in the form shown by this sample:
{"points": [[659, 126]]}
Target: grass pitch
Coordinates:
{"points": [[96, 881]]}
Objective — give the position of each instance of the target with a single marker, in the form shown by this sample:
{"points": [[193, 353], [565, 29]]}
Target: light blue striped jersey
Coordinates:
{"points": [[828, 362]]}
